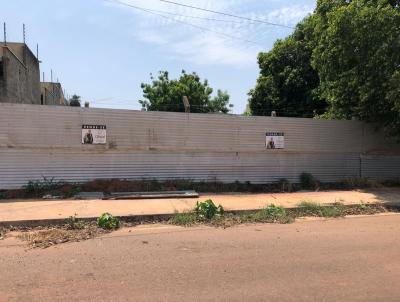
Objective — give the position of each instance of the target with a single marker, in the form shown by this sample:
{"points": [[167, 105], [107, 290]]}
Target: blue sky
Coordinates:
{"points": [[103, 51]]}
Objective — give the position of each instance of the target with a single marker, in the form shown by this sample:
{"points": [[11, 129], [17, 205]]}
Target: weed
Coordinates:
{"points": [[308, 208], [75, 224], [37, 187], [208, 210], [271, 213], [362, 206], [185, 219], [107, 221], [308, 181]]}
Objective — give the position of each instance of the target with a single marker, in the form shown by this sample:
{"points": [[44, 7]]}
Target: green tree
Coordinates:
{"points": [[165, 94], [287, 83], [357, 57], [75, 101]]}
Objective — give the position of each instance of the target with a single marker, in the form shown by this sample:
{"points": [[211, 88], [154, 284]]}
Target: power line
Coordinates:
{"points": [[193, 17], [154, 12], [226, 14]]}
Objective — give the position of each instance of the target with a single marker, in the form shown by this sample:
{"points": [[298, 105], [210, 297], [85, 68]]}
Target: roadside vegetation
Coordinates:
{"points": [[204, 213], [52, 188], [275, 214]]}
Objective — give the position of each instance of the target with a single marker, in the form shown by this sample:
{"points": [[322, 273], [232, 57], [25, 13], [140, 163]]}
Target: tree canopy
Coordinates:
{"points": [[75, 101], [357, 56], [165, 94], [343, 60], [287, 83]]}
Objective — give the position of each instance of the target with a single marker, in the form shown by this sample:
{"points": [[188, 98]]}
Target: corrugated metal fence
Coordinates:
{"points": [[45, 141]]}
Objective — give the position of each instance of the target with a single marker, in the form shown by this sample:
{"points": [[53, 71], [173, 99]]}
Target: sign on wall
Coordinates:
{"points": [[94, 134], [275, 140]]}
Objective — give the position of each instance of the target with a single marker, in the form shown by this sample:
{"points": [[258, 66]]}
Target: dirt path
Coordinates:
{"points": [[351, 259]]}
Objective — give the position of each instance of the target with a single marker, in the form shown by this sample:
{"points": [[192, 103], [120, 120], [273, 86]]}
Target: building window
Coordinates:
{"points": [[41, 99]]}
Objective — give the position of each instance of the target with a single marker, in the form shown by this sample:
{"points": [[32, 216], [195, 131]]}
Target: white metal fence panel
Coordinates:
{"points": [[45, 141]]}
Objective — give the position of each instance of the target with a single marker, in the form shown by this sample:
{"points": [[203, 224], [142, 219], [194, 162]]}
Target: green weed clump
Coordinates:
{"points": [[75, 224], [308, 181], [208, 210], [37, 187], [308, 208], [185, 219], [272, 213], [107, 221]]}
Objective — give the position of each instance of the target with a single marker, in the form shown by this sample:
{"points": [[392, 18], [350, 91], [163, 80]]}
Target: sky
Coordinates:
{"points": [[103, 50]]}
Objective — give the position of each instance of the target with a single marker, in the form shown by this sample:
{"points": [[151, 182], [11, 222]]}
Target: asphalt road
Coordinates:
{"points": [[351, 259]]}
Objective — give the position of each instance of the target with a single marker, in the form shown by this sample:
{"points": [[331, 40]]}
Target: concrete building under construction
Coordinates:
{"points": [[19, 74], [20, 78], [51, 94]]}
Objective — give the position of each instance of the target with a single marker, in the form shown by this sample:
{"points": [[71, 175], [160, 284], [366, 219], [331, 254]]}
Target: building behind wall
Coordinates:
{"points": [[51, 94], [19, 74]]}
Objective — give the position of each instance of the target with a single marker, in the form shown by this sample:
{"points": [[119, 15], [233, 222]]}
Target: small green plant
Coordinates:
{"points": [[308, 208], [185, 219], [362, 206], [107, 221], [308, 181], [208, 210], [38, 187], [75, 224], [272, 213]]}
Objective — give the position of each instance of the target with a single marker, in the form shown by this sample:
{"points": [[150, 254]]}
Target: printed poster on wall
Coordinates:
{"points": [[94, 134], [275, 140]]}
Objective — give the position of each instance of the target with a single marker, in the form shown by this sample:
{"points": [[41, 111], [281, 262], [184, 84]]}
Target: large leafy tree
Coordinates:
{"points": [[288, 84], [165, 94], [357, 56], [75, 101], [347, 53]]}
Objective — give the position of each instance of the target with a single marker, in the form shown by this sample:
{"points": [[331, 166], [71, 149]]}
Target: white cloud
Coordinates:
{"points": [[290, 15], [222, 43]]}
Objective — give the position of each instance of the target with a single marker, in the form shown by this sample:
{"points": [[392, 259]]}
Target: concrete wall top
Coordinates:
{"points": [[30, 126]]}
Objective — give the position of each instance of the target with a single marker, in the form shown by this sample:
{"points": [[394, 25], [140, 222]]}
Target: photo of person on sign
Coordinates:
{"points": [[271, 144], [88, 138]]}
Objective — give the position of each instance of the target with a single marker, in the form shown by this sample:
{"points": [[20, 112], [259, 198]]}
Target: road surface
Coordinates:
{"points": [[351, 259]]}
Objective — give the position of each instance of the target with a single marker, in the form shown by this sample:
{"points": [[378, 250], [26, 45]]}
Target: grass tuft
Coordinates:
{"points": [[184, 219], [307, 208]]}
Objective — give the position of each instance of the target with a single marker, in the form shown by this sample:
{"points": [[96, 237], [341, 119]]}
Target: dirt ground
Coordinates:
{"points": [[348, 259]]}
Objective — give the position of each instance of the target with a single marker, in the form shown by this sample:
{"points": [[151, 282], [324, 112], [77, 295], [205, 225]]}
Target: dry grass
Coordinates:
{"points": [[48, 237]]}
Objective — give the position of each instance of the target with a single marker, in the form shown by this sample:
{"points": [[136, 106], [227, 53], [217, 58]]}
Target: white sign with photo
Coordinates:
{"points": [[275, 140], [94, 134]]}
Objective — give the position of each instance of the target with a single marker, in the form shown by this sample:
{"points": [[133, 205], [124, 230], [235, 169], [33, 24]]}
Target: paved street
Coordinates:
{"points": [[351, 259]]}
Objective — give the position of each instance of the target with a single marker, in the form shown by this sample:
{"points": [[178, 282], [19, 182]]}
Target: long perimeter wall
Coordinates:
{"points": [[46, 141]]}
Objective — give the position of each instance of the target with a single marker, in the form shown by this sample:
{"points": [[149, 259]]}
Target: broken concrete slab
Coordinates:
{"points": [[89, 195], [152, 195]]}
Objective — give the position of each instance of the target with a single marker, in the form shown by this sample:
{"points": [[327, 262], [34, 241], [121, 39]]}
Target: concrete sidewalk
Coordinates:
{"points": [[41, 210]]}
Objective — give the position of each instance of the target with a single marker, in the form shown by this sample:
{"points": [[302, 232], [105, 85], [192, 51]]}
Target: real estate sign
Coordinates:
{"points": [[94, 134], [275, 140]]}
